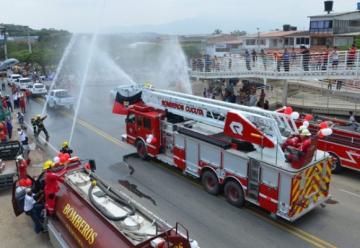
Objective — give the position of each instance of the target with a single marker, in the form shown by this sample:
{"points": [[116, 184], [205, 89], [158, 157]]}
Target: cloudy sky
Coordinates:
{"points": [[171, 16]]}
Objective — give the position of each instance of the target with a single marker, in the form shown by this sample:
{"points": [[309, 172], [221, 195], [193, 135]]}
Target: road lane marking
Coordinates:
{"points": [[350, 193], [311, 239], [315, 241]]}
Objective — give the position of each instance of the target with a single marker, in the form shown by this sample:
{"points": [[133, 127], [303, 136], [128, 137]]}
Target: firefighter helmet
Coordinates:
{"points": [[305, 132], [65, 144], [47, 165]]}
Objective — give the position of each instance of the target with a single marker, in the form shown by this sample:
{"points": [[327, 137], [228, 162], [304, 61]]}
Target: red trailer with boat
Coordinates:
{"points": [[82, 210]]}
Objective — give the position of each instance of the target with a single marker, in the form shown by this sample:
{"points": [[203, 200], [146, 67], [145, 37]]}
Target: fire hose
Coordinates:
{"points": [[114, 197]]}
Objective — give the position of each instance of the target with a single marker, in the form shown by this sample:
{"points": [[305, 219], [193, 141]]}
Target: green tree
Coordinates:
{"points": [[357, 42], [238, 33], [191, 50], [217, 31]]}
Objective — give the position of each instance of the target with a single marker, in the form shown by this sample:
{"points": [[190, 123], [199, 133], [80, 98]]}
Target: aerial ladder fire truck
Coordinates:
{"points": [[82, 210], [230, 147]]}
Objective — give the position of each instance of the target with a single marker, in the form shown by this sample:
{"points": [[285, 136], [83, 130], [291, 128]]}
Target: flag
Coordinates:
{"points": [[122, 103]]}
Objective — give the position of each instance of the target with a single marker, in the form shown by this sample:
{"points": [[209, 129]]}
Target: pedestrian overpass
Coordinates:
{"points": [[266, 67]]}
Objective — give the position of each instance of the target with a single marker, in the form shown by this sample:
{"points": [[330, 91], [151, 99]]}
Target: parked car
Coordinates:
{"points": [[60, 98], [23, 83], [37, 89], [13, 78]]}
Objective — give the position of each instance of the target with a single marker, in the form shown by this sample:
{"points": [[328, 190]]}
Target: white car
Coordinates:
{"points": [[60, 98], [23, 83], [37, 89], [13, 78]]}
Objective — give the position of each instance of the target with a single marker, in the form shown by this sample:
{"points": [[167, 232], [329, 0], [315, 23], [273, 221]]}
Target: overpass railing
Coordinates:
{"points": [[340, 64]]}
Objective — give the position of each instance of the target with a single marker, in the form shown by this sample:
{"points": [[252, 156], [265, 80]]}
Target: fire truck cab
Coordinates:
{"points": [[230, 148]]}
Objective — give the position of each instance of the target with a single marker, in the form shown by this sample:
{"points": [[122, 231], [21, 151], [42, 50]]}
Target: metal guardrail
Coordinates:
{"points": [[334, 65]]}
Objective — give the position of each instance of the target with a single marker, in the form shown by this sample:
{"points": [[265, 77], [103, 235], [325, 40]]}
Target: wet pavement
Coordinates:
{"points": [[210, 220]]}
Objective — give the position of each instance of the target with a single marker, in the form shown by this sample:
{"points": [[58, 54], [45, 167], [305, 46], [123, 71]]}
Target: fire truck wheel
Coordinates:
{"points": [[336, 165], [210, 182], [234, 193], [141, 150]]}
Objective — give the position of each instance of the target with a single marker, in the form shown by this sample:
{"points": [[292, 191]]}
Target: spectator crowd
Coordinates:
{"points": [[241, 92], [329, 58]]}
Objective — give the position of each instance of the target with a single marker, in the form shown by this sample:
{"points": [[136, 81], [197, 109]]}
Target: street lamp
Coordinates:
{"points": [[3, 30], [258, 38]]}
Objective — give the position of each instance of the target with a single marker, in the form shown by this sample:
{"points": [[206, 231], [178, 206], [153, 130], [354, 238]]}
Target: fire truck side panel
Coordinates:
{"points": [[83, 223], [235, 163], [179, 151], [210, 155], [309, 188], [285, 181], [192, 155], [349, 156], [268, 192]]}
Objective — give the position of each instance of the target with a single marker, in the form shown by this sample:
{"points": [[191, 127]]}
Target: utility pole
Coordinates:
{"points": [[29, 42], [258, 38], [3, 29]]}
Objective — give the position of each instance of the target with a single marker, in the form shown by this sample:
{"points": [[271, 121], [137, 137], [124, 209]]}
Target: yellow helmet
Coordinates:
{"points": [[65, 144], [305, 132], [48, 164], [38, 116], [147, 85]]}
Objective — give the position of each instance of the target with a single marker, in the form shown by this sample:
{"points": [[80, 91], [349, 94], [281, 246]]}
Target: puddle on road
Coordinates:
{"points": [[331, 201], [133, 188]]}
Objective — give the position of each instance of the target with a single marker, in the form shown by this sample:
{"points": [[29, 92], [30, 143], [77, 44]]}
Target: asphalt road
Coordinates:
{"points": [[210, 220]]}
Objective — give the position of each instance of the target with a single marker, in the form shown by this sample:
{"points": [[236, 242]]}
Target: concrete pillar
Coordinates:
{"points": [[285, 92]]}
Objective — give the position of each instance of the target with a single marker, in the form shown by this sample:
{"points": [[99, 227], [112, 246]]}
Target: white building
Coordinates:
{"points": [[277, 40], [335, 29]]}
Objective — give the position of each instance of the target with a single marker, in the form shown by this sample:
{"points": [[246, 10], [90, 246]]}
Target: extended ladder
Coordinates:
{"points": [[213, 112]]}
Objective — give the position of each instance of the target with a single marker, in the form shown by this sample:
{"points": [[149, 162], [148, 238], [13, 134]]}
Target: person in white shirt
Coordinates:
{"points": [[33, 209], [24, 140], [352, 117]]}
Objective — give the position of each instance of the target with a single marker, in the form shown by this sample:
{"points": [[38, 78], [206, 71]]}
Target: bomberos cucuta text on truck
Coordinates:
{"points": [[232, 148]]}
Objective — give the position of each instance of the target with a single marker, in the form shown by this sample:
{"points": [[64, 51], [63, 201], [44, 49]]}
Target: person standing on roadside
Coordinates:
{"points": [[352, 118], [22, 103], [8, 102], [263, 57], [351, 56], [254, 57], [277, 57], [334, 58], [325, 59], [293, 56], [33, 209], [305, 57], [286, 60], [247, 60], [9, 127]]}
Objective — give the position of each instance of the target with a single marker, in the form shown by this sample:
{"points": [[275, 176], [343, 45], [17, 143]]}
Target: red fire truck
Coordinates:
{"points": [[230, 147], [83, 211], [343, 144]]}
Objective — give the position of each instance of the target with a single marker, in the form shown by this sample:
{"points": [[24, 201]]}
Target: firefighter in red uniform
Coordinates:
{"points": [[297, 145], [22, 167], [305, 141], [50, 187]]}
